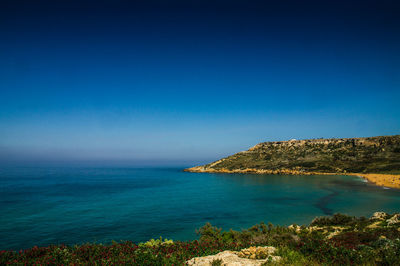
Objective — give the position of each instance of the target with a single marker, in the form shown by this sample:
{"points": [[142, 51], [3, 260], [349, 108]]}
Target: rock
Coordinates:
{"points": [[252, 249], [379, 216], [256, 252], [296, 228], [333, 234], [394, 220], [229, 258], [375, 224], [251, 256]]}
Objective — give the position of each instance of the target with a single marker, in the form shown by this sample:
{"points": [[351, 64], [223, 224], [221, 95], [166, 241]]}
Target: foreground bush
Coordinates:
{"points": [[335, 240]]}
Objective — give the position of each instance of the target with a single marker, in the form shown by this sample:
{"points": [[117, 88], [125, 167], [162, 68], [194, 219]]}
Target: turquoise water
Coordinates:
{"points": [[42, 206]]}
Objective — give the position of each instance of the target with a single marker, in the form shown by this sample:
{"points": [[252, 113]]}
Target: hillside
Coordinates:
{"points": [[351, 155], [333, 240]]}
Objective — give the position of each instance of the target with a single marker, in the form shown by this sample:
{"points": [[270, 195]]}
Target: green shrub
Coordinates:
{"points": [[209, 233], [292, 257], [157, 242], [336, 219], [217, 262]]}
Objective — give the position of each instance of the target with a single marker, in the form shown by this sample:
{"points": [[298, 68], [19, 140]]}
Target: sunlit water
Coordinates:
{"points": [[43, 206]]}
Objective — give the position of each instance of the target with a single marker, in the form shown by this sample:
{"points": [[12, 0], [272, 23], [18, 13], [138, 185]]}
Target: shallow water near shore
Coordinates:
{"points": [[43, 206]]}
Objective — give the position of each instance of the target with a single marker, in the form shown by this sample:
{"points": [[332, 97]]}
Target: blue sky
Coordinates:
{"points": [[187, 82]]}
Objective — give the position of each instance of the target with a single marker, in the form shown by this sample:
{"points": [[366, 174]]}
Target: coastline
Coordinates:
{"points": [[369, 241], [383, 180]]}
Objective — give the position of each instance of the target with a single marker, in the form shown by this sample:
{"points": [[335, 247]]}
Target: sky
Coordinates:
{"points": [[148, 83]]}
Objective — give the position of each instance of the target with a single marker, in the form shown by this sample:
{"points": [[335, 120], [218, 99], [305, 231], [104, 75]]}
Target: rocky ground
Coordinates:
{"points": [[253, 256]]}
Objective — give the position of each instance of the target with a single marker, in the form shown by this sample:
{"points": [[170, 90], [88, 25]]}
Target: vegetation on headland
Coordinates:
{"points": [[334, 240], [376, 159]]}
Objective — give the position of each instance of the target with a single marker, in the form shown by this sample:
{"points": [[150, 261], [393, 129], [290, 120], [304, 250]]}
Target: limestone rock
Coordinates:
{"points": [[333, 234], [379, 216], [244, 257], [375, 224], [394, 220], [256, 252], [296, 228]]}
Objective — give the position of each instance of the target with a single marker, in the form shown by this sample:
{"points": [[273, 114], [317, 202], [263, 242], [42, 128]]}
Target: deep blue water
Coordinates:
{"points": [[42, 206]]}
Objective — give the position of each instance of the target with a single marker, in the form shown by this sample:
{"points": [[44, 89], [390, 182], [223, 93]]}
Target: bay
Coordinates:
{"points": [[43, 206]]}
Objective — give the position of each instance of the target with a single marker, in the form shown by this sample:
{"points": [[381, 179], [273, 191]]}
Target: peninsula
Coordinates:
{"points": [[377, 159]]}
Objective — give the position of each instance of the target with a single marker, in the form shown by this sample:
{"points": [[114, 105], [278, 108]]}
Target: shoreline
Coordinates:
{"points": [[382, 180], [289, 244]]}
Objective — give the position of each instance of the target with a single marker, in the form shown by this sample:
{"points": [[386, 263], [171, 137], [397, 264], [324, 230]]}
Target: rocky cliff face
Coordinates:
{"points": [[354, 155]]}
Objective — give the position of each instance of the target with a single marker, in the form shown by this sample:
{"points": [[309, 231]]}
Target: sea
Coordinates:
{"points": [[67, 205]]}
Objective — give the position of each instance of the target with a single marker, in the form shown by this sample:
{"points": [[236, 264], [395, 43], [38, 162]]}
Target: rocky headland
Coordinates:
{"points": [[375, 158]]}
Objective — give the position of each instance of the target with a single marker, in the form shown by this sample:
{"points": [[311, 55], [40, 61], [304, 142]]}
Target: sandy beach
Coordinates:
{"points": [[385, 180]]}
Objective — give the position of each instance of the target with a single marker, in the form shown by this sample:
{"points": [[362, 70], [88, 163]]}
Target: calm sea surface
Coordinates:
{"points": [[42, 206]]}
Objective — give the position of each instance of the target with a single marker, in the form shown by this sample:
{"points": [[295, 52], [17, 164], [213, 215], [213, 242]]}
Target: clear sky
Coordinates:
{"points": [[187, 82]]}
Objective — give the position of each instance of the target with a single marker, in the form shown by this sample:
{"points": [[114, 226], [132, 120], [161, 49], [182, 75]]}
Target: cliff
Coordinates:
{"points": [[350, 155]]}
